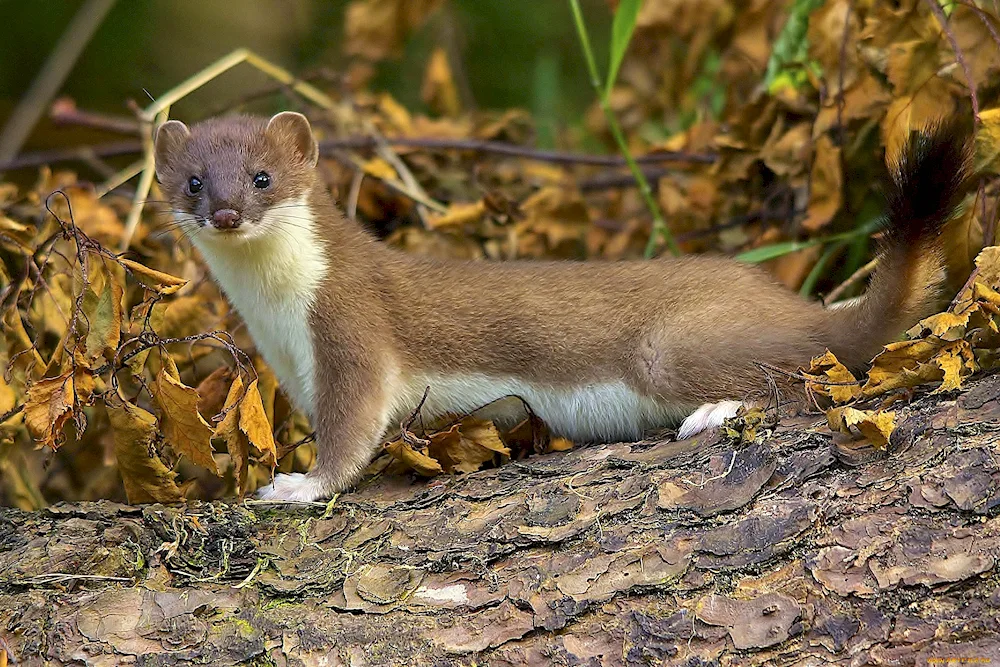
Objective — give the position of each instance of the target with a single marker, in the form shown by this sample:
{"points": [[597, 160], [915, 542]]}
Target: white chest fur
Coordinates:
{"points": [[271, 274]]}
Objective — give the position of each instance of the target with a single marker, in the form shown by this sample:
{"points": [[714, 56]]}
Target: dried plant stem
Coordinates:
{"points": [[145, 180], [393, 184], [855, 277], [58, 66], [158, 111], [120, 178], [226, 63], [660, 229]]}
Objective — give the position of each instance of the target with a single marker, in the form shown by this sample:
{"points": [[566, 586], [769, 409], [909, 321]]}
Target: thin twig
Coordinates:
{"points": [[328, 146], [39, 158], [814, 379], [959, 56], [16, 410], [65, 112]]}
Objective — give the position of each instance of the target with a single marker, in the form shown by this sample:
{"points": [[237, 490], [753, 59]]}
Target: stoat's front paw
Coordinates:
{"points": [[294, 487], [707, 416]]}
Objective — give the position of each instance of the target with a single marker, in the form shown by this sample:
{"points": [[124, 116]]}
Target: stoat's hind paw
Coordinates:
{"points": [[294, 487], [707, 416]]}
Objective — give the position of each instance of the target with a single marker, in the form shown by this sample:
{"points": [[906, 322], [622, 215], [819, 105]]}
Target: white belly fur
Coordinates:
{"points": [[607, 411], [272, 277]]}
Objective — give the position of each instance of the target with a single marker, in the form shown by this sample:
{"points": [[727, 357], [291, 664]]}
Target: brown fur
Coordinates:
{"points": [[684, 331]]}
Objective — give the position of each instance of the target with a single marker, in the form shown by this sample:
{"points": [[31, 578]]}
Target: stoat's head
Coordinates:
{"points": [[231, 177]]}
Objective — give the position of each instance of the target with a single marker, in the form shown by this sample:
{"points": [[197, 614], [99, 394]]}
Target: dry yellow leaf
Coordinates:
{"points": [[253, 422], [947, 326], [875, 426], [417, 461], [164, 283], [988, 263], [828, 367], [458, 215], [988, 142], [246, 423], [236, 442], [438, 90], [902, 364], [956, 362], [466, 446], [183, 426], [8, 399], [560, 445], [18, 340], [380, 168], [146, 478], [927, 105]]}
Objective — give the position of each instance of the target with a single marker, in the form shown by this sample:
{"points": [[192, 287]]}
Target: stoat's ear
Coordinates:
{"points": [[293, 129], [170, 139]]}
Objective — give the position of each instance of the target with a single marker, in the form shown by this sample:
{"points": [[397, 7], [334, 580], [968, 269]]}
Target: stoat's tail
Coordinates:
{"points": [[930, 177]]}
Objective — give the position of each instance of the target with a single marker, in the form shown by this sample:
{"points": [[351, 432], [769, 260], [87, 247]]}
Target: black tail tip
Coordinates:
{"points": [[929, 177]]}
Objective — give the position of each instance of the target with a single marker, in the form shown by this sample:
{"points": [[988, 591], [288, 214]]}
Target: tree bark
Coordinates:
{"points": [[783, 548]]}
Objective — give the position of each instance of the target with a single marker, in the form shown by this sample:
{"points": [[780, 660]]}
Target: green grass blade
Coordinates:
{"points": [[621, 35], [764, 253], [809, 284]]}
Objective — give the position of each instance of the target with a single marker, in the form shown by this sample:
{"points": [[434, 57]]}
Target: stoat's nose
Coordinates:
{"points": [[226, 218]]}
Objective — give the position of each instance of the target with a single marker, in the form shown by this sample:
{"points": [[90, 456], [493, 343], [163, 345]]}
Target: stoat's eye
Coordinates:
{"points": [[262, 180], [194, 185]]}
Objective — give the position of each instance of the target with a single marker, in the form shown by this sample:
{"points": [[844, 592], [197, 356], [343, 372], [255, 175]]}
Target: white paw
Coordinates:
{"points": [[707, 416], [294, 487]]}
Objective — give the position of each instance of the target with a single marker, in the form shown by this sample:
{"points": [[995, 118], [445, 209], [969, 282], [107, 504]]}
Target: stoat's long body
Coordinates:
{"points": [[602, 351]]}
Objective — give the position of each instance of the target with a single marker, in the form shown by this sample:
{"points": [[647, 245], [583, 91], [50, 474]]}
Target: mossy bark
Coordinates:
{"points": [[784, 548]]}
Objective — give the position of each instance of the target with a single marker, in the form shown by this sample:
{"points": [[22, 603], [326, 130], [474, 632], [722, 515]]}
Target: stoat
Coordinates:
{"points": [[601, 351]]}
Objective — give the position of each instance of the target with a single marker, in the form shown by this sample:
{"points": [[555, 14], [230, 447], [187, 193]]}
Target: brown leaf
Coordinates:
{"points": [[466, 446], [48, 406], [826, 185], [244, 424], [183, 426], [212, 391], [145, 477]]}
